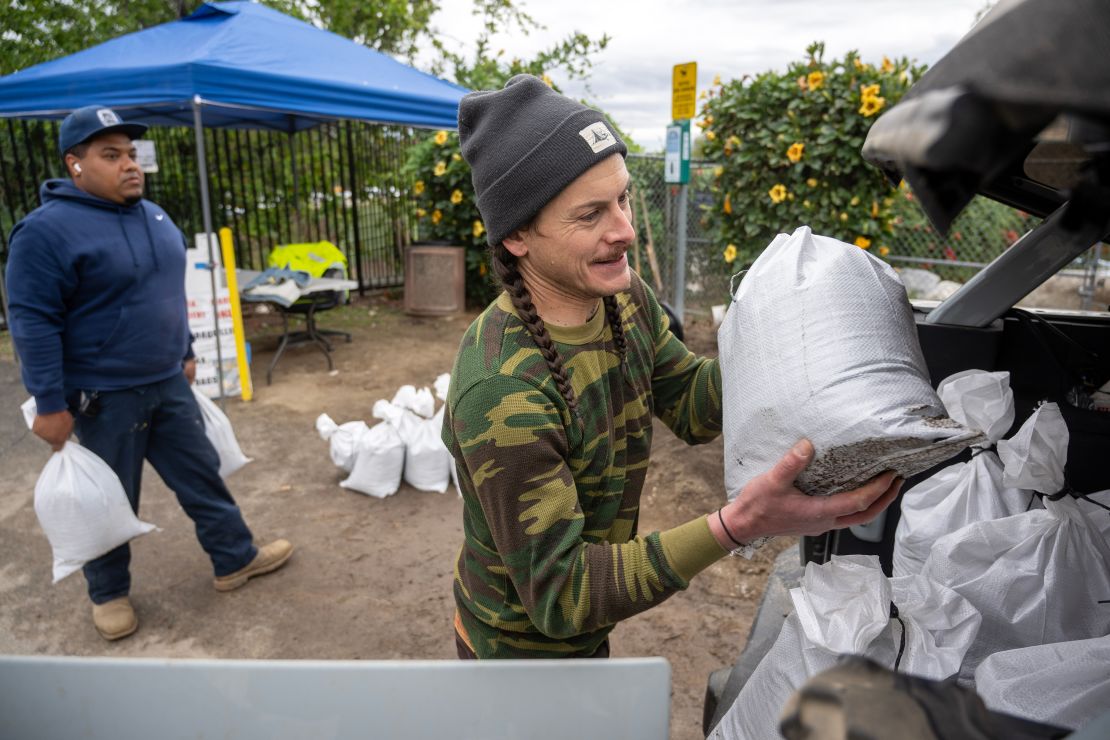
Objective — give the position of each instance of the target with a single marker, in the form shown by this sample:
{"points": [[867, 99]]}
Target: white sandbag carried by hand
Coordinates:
{"points": [[343, 439], [1036, 577], [844, 607], [820, 342], [82, 508], [378, 462], [1066, 684], [965, 492], [217, 427]]}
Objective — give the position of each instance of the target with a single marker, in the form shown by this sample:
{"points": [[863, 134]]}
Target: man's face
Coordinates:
{"points": [[575, 251], [109, 170]]}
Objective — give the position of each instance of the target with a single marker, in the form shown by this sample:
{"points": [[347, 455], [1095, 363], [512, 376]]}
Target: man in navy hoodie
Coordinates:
{"points": [[96, 285]]}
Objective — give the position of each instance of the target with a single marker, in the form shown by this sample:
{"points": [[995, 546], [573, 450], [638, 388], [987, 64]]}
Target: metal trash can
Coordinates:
{"points": [[435, 279]]}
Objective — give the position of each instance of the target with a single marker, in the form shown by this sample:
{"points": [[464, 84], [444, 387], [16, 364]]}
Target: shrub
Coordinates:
{"points": [[788, 149]]}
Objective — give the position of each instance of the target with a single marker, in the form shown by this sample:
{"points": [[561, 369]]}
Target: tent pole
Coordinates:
{"points": [[206, 211]]}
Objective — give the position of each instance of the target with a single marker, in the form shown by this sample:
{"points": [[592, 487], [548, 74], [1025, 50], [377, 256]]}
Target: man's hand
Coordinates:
{"points": [[771, 506], [55, 428], [190, 370]]}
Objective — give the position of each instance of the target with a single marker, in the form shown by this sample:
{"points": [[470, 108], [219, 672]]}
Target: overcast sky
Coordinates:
{"points": [[631, 79]]}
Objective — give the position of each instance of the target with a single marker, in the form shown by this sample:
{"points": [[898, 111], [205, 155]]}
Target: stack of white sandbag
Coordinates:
{"points": [[1066, 684], [965, 492], [405, 445], [848, 606], [820, 342], [81, 506], [1037, 577]]}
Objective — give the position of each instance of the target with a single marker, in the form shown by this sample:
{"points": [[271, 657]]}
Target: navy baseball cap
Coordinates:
{"points": [[93, 120]]}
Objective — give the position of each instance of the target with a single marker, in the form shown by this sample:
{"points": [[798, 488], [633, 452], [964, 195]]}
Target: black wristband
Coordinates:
{"points": [[735, 541]]}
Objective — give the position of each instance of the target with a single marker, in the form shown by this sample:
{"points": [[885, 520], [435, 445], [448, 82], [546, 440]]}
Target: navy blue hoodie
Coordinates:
{"points": [[96, 295]]}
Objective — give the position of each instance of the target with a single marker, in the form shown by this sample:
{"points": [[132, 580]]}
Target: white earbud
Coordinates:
{"points": [[76, 166]]}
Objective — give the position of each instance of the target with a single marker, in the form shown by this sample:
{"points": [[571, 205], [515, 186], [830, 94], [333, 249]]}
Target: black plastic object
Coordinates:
{"points": [[861, 700], [676, 323]]}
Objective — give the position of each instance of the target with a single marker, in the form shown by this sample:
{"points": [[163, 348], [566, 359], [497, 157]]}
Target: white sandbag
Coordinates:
{"points": [[821, 343], [420, 402], [1097, 508], [83, 509], [442, 384], [1066, 684], [378, 462], [844, 607], [1037, 578], [1035, 457], [965, 492], [427, 460], [217, 427], [343, 439]]}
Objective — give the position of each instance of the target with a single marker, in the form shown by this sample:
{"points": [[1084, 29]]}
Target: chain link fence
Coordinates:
{"points": [[981, 233], [655, 210]]}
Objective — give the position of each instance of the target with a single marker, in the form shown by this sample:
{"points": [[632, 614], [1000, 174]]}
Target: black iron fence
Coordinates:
{"points": [[341, 182]]}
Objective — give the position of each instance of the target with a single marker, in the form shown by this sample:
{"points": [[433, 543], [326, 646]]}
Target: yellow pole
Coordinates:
{"points": [[228, 251]]}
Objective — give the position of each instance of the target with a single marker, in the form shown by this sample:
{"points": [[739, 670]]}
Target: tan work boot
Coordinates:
{"points": [[269, 558], [115, 619]]}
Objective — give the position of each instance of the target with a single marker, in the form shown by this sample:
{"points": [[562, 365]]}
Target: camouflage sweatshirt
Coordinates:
{"points": [[551, 559]]}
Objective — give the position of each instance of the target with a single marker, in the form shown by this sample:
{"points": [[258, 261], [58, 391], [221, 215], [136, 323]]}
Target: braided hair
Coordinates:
{"points": [[505, 266]]}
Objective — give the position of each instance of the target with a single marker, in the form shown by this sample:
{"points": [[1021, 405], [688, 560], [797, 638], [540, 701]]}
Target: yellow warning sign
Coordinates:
{"points": [[684, 91]]}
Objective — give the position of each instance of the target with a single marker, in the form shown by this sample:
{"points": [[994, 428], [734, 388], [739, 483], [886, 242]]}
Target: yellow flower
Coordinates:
{"points": [[705, 122], [456, 196], [795, 152], [456, 157], [482, 270], [871, 106], [777, 193], [730, 253], [874, 209], [717, 83], [421, 213], [441, 138], [815, 80], [441, 167], [854, 201], [437, 216], [869, 91], [812, 182], [703, 95], [478, 230], [547, 80], [843, 216], [806, 204], [418, 187], [734, 140], [727, 207], [884, 251], [888, 66], [710, 135], [863, 242], [718, 171], [858, 64]]}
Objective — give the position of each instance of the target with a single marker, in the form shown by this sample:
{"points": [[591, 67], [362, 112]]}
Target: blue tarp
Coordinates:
{"points": [[250, 66]]}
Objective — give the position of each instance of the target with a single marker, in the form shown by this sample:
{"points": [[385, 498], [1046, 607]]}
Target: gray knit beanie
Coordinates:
{"points": [[524, 144]]}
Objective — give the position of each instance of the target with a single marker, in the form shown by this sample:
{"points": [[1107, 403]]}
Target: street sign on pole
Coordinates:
{"points": [[676, 154], [684, 91]]}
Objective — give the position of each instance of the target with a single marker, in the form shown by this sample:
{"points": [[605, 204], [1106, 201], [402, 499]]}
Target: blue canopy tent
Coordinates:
{"points": [[237, 65]]}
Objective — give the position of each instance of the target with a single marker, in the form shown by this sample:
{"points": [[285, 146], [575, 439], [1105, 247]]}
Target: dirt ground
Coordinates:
{"points": [[371, 579]]}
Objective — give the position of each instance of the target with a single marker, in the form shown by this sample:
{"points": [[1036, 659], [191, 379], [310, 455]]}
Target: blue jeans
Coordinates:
{"points": [[162, 423]]}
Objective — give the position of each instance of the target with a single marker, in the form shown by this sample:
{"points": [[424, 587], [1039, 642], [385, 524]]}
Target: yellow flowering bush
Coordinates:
{"points": [[788, 147], [443, 201]]}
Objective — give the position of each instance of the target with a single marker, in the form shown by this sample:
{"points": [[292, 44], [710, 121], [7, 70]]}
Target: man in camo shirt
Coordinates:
{"points": [[549, 415]]}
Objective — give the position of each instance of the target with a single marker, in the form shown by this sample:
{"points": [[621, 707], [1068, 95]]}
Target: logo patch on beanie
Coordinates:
{"points": [[598, 136]]}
